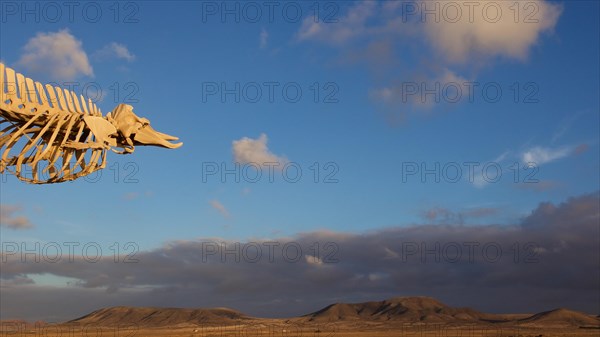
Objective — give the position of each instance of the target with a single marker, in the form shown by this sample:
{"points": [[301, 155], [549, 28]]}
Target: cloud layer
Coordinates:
{"points": [[548, 260]]}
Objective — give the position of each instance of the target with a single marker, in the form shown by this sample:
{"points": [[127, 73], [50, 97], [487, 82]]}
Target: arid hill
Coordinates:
{"points": [[562, 318], [156, 317], [429, 310], [403, 309]]}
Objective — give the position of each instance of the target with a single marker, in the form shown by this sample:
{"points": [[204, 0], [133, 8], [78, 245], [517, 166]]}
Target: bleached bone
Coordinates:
{"points": [[51, 128]]}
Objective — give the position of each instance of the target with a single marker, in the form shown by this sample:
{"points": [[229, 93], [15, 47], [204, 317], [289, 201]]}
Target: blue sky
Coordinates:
{"points": [[365, 130]]}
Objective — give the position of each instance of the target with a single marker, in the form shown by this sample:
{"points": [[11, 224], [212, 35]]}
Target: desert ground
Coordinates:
{"points": [[278, 329]]}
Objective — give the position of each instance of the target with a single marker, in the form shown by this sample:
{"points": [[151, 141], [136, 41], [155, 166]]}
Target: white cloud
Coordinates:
{"points": [[351, 26], [541, 155], [497, 28], [448, 88], [247, 150], [373, 277], [385, 95], [479, 180], [131, 196], [494, 169], [264, 38], [390, 254], [220, 208], [501, 157], [9, 220], [566, 125], [313, 260], [59, 55], [115, 50], [537, 155]]}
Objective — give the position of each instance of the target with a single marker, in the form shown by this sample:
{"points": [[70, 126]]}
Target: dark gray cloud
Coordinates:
{"points": [[549, 259]]}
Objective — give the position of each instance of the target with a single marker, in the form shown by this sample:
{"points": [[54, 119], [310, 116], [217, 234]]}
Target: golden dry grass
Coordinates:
{"points": [[277, 329]]}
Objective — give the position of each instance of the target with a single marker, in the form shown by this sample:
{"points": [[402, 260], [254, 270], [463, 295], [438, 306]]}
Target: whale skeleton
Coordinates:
{"points": [[50, 135]]}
